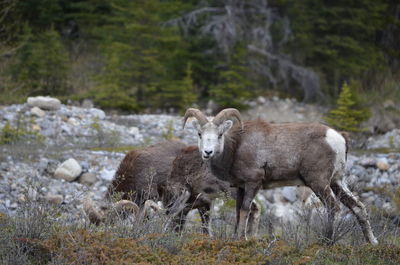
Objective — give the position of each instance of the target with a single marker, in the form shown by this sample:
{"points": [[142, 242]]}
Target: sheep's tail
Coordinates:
{"points": [[346, 137], [95, 217]]}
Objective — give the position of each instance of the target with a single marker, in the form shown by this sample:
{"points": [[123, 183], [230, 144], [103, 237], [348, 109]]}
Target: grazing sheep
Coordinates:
{"points": [[163, 172], [143, 173], [259, 155]]}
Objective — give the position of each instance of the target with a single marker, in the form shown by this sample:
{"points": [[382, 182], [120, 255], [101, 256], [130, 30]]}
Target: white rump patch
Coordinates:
{"points": [[338, 144]]}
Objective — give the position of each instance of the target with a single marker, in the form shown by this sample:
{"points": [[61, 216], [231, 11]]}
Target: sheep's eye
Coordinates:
{"points": [[199, 135], [219, 136]]}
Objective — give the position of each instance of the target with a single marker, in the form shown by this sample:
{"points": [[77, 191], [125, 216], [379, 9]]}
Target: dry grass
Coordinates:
{"points": [[38, 235]]}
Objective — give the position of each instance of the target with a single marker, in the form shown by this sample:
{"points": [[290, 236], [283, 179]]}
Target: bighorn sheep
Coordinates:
{"points": [[162, 172], [189, 170], [258, 154]]}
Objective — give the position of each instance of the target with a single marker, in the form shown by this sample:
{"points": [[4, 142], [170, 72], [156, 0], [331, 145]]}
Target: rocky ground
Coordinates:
{"points": [[63, 153]]}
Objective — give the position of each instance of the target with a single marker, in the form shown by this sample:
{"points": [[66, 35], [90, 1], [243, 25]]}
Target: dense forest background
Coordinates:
{"points": [[145, 55]]}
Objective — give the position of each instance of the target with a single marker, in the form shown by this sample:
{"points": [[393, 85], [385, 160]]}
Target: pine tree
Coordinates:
{"points": [[114, 90], [144, 49], [178, 95], [338, 38], [345, 116], [233, 86], [41, 65]]}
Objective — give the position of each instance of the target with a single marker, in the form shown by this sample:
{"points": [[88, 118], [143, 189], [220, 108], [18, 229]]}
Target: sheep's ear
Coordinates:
{"points": [[224, 127], [196, 125]]}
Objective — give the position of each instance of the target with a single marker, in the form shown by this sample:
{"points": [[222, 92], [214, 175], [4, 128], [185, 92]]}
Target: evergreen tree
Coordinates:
{"points": [[345, 116], [233, 86], [337, 38], [41, 65], [178, 95], [144, 49], [114, 90]]}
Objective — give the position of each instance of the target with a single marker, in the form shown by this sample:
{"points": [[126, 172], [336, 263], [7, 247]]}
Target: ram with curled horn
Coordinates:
{"points": [[259, 155], [170, 172]]}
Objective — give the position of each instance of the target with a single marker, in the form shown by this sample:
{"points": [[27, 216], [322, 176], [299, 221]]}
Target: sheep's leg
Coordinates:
{"points": [[239, 201], [205, 219], [326, 195], [357, 207], [250, 191], [180, 219], [254, 219]]}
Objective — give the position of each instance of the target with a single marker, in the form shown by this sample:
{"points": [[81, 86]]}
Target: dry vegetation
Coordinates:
{"points": [[37, 235]]}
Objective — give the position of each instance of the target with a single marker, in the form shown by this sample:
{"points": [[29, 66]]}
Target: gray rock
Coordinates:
{"points": [[69, 170], [4, 166], [289, 193], [9, 116], [45, 103], [38, 112], [54, 199], [85, 166], [382, 179], [358, 171], [367, 162], [390, 139], [88, 179], [98, 113], [43, 164], [66, 129]]}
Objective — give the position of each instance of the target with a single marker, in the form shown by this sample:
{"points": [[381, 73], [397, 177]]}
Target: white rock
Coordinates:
{"points": [[46, 103], [69, 170], [134, 131], [261, 100], [107, 174], [73, 121], [38, 112]]}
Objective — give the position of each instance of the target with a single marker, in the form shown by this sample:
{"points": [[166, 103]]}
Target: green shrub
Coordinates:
{"points": [[347, 116], [10, 135], [168, 133]]}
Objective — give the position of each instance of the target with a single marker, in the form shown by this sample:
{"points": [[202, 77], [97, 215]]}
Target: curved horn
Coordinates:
{"points": [[226, 114], [192, 112], [126, 206]]}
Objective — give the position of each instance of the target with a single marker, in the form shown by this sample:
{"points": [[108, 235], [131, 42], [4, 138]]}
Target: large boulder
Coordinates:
{"points": [[45, 103], [69, 170]]}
